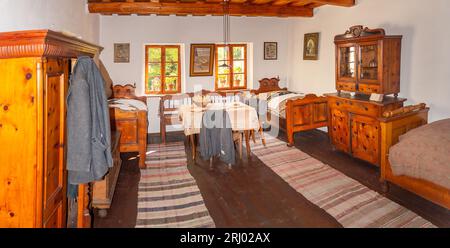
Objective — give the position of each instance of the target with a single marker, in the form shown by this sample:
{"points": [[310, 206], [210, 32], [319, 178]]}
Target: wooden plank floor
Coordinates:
{"points": [[251, 195]]}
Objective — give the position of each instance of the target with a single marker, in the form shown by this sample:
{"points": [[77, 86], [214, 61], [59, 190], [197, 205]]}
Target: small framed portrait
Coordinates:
{"points": [[202, 60], [270, 50], [122, 53], [311, 47]]}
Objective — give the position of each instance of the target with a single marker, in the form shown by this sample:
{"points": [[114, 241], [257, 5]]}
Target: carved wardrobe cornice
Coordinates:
{"points": [[44, 43], [359, 32]]}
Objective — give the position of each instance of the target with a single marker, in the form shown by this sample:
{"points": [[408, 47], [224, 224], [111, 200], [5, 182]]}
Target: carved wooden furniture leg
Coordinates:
{"points": [[84, 206], [290, 136], [247, 142], [384, 186], [142, 156]]}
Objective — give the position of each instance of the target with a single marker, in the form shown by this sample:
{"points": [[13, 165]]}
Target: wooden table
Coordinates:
{"points": [[243, 119]]}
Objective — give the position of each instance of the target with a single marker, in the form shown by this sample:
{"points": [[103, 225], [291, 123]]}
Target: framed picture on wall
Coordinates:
{"points": [[202, 59], [270, 50], [122, 53], [311, 47]]}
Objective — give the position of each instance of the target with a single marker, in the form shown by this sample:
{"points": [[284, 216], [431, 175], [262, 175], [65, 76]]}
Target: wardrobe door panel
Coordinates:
{"points": [[366, 138], [340, 129], [54, 159], [19, 100]]}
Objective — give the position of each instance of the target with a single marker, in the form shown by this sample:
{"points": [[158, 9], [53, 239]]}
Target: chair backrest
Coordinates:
{"points": [[215, 98], [172, 102]]}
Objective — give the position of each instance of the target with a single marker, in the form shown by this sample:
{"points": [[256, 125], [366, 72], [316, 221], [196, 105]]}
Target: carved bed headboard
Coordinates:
{"points": [[127, 91], [268, 85]]}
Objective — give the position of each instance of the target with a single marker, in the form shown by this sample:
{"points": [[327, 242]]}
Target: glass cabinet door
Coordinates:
{"points": [[369, 63], [347, 63]]}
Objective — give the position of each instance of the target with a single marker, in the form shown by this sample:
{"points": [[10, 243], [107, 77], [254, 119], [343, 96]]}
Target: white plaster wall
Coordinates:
{"points": [[425, 68], [140, 30], [59, 15]]}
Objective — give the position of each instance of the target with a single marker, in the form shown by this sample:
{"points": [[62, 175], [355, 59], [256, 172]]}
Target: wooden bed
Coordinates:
{"points": [[308, 113], [393, 125], [131, 124]]}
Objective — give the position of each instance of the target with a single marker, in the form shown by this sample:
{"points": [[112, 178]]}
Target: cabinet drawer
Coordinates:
{"points": [[369, 88], [346, 86], [355, 107]]}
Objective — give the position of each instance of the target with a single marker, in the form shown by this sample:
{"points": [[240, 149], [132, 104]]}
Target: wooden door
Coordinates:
{"points": [[54, 187], [370, 66], [340, 134], [365, 138]]}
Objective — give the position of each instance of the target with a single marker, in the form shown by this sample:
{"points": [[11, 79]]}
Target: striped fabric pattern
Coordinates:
{"points": [[349, 202], [168, 195]]}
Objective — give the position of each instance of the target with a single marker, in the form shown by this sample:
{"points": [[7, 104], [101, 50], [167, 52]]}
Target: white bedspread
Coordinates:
{"points": [[127, 104], [277, 104]]}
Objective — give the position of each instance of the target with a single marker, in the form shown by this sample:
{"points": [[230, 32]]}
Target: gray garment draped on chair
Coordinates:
{"points": [[216, 136], [88, 125]]}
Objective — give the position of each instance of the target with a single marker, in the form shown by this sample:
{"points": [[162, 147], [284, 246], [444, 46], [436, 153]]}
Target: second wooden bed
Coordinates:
{"points": [[307, 113]]}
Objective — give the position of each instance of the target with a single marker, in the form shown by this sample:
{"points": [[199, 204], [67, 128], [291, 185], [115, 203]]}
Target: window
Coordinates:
{"points": [[235, 75], [162, 69]]}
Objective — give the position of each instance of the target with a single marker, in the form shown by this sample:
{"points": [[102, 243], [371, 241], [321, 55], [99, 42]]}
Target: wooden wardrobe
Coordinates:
{"points": [[34, 76], [367, 62]]}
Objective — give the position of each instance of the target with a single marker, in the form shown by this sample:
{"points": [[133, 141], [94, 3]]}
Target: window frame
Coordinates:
{"points": [[163, 69], [231, 73]]}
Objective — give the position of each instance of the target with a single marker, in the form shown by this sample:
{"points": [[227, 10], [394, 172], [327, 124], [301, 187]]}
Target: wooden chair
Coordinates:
{"points": [[168, 111], [237, 139]]}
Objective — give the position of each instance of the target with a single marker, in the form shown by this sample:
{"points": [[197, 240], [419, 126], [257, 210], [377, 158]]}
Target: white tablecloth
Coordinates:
{"points": [[242, 116]]}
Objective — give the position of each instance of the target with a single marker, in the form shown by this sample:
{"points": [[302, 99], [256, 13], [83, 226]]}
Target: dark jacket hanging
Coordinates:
{"points": [[88, 128], [216, 137]]}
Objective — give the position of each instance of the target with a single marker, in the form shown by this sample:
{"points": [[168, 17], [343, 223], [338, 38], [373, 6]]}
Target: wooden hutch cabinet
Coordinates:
{"points": [[367, 61], [34, 76]]}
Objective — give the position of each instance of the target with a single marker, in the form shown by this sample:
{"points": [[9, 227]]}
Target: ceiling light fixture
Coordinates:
{"points": [[226, 29]]}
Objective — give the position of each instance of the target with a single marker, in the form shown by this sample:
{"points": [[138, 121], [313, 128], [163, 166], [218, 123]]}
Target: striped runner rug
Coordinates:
{"points": [[348, 201], [168, 195]]}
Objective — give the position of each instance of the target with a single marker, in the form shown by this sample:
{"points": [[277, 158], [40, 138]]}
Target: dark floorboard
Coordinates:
{"points": [[252, 195]]}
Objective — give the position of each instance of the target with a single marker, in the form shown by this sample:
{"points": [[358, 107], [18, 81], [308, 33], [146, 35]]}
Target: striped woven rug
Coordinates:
{"points": [[168, 195], [348, 201]]}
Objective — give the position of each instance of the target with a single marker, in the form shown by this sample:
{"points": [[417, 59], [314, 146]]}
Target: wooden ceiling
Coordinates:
{"points": [[273, 8]]}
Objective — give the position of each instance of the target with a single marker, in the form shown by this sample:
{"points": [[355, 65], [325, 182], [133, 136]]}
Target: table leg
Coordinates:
{"points": [[240, 145], [193, 148], [261, 132], [247, 142]]}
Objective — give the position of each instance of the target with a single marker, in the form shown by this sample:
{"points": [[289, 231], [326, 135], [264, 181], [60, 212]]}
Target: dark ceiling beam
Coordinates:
{"points": [[344, 3], [196, 8]]}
